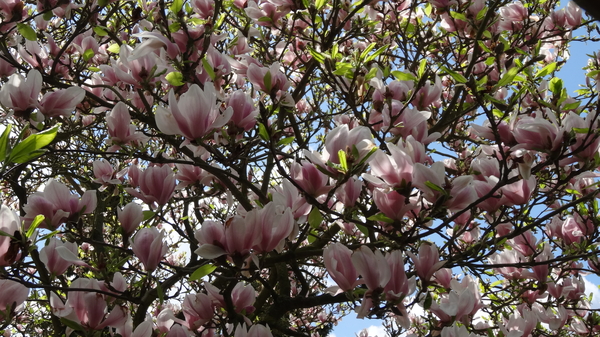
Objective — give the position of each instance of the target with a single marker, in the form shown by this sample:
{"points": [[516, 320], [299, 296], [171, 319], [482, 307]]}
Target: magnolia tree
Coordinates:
{"points": [[265, 168]]}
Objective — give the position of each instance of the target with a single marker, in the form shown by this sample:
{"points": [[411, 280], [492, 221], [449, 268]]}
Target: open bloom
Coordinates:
{"points": [[58, 256], [428, 261], [57, 205], [195, 115], [22, 94]]}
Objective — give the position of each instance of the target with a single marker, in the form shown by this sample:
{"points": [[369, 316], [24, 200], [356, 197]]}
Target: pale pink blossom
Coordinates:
{"points": [[58, 205], [149, 246], [130, 217], [198, 310], [427, 262], [61, 102], [156, 184], [195, 115], [372, 266], [312, 181], [9, 224], [339, 264], [120, 129], [244, 111], [13, 295], [22, 94], [58, 256]]}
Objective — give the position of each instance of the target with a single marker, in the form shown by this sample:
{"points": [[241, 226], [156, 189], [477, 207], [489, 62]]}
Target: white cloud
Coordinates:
{"points": [[377, 331], [592, 288]]}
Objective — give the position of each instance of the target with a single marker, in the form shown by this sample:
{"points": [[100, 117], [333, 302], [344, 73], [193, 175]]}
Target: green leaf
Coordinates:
{"points": [[320, 57], [4, 142], [341, 68], [286, 141], [29, 149], [176, 6], [434, 186], [320, 3], [458, 16], [100, 31], [343, 161], [428, 301], [263, 133], [175, 78], [202, 271], [315, 218], [71, 324], [6, 234], [455, 75], [160, 293], [209, 69], [174, 27], [593, 73], [581, 130], [571, 106], [148, 215], [428, 9], [367, 50], [402, 76], [556, 85], [546, 70], [114, 48], [267, 81], [88, 54], [422, 66], [363, 229], [481, 14], [48, 16], [508, 77], [34, 225], [380, 217], [26, 31]]}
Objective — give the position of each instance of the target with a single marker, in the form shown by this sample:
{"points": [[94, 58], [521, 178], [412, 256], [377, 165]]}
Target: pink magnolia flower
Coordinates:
{"points": [[462, 193], [394, 170], [130, 217], [120, 129], [429, 94], [537, 134], [456, 331], [341, 138], [394, 205], [423, 175], [349, 192], [508, 261], [243, 297], [152, 43], [244, 111], [9, 224], [428, 261], [274, 222], [398, 286], [198, 310], [58, 256], [269, 80], [156, 184], [57, 205], [12, 297], [288, 195], [105, 173], [195, 115], [149, 246], [512, 16], [519, 193], [22, 94], [312, 181], [338, 261], [61, 102], [255, 330], [88, 308], [234, 238], [372, 266]]}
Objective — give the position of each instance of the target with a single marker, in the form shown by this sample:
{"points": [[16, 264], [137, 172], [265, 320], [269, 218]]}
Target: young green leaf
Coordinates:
{"points": [[29, 149], [4, 142], [26, 31], [175, 78], [202, 271], [315, 218]]}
